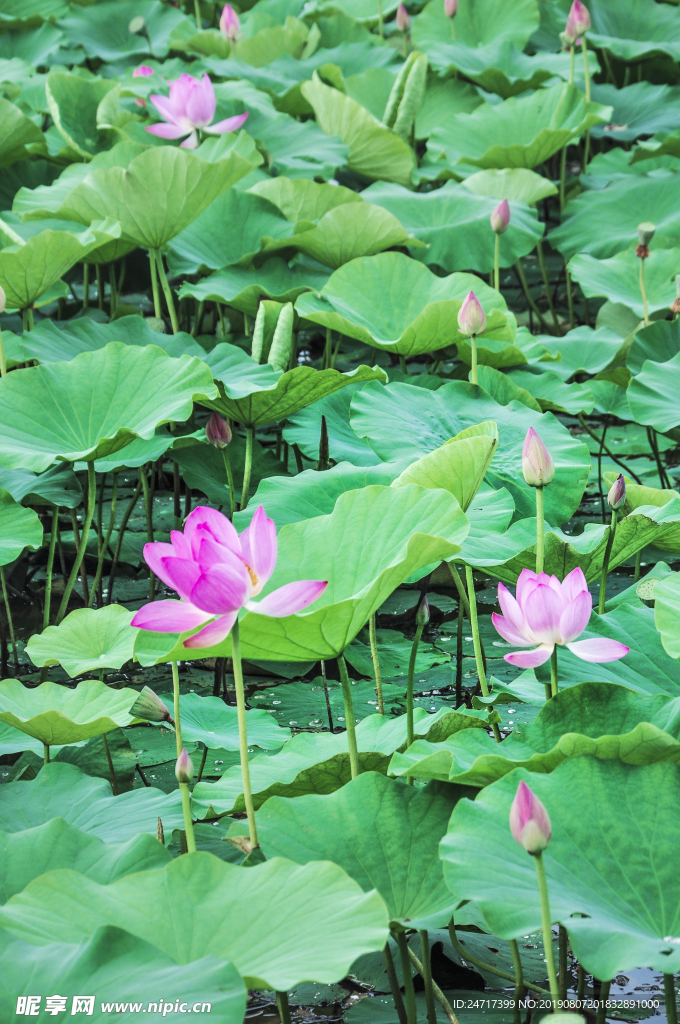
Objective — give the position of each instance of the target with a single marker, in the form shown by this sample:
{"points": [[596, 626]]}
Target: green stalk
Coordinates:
{"points": [[462, 952], [376, 664], [473, 350], [410, 733], [669, 991], [547, 931], [46, 753], [602, 1007], [426, 975], [50, 566], [113, 302], [402, 364], [519, 980], [328, 350], [409, 991], [349, 717], [101, 287], [186, 812], [283, 1007], [3, 359], [580, 983], [84, 537], [148, 505], [394, 984], [243, 732], [198, 319], [86, 285], [230, 482], [106, 539], [540, 530], [197, 11], [564, 964], [546, 282], [563, 178], [519, 270], [119, 541], [10, 623], [605, 564], [167, 290], [438, 994], [477, 642], [247, 468], [109, 761], [497, 264], [643, 292], [570, 299], [175, 707], [638, 560], [553, 672], [154, 284], [586, 73], [607, 451], [381, 30]]}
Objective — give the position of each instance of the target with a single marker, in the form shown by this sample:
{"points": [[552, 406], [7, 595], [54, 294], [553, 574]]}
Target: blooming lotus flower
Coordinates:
{"points": [[471, 318], [538, 468], [546, 612], [450, 8], [230, 25], [580, 17], [216, 572], [190, 107], [617, 493], [529, 821], [500, 218], [143, 71], [403, 19]]}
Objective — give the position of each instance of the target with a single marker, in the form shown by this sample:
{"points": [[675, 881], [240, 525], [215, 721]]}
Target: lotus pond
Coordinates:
{"points": [[340, 511]]}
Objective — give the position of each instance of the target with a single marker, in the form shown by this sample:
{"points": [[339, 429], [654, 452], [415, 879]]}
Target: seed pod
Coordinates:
{"points": [[282, 342], [646, 232]]}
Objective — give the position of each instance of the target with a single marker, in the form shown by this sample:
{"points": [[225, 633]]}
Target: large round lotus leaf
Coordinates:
{"points": [[458, 466], [653, 394], [213, 723], [56, 486], [632, 29], [361, 10], [511, 183], [477, 23], [611, 872], [499, 66], [76, 105], [666, 619], [392, 302], [639, 494], [551, 393], [374, 539], [15, 13], [442, 97], [350, 231], [245, 288], [303, 199], [384, 834], [157, 196], [87, 639], [304, 430], [319, 762], [58, 844], [95, 404], [605, 222], [17, 132], [455, 225], [49, 343], [118, 968], [235, 913], [19, 528], [639, 109], [520, 132], [64, 791], [27, 271], [55, 714], [401, 420], [375, 152], [618, 278], [104, 31], [660, 341], [602, 720]]}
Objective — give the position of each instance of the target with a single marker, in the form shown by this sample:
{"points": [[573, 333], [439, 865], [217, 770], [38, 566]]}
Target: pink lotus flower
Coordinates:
{"points": [[216, 572], [230, 25], [547, 612], [500, 218], [529, 821], [143, 71], [403, 19], [190, 107], [580, 17], [471, 318]]}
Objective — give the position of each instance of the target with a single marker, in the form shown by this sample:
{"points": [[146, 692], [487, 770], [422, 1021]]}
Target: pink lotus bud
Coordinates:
{"points": [[150, 708], [529, 821], [184, 769], [580, 17], [403, 19], [500, 218], [143, 71], [537, 464], [450, 8], [230, 26], [218, 431], [423, 613], [570, 35], [471, 319], [617, 493]]}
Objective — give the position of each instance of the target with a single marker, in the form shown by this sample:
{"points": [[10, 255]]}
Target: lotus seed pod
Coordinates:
{"points": [[529, 821], [184, 769], [538, 467], [471, 318], [646, 232], [617, 493], [282, 342], [403, 19], [500, 218], [137, 25], [580, 17], [218, 431], [150, 708]]}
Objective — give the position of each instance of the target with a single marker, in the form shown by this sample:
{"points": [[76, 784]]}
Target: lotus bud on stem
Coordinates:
{"points": [[471, 322], [218, 434], [451, 10], [422, 619], [538, 470], [500, 219], [403, 20], [578, 23], [615, 499], [530, 827], [645, 235], [184, 773], [230, 25]]}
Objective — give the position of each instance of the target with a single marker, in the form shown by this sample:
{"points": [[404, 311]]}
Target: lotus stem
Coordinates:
{"points": [[109, 761], [402, 364], [230, 482], [176, 505], [563, 178], [326, 695], [119, 541], [197, 11], [564, 963], [599, 468], [243, 732], [82, 546], [167, 291], [572, 58], [426, 974], [409, 991], [76, 541], [438, 994], [663, 477], [546, 282], [669, 991], [476, 641], [198, 319], [86, 285], [553, 672], [154, 284], [282, 1004], [410, 733], [462, 952], [10, 623], [247, 468], [394, 984], [462, 596], [586, 74], [605, 564], [335, 352], [328, 350], [459, 656], [540, 530], [175, 707], [46, 753], [50, 566], [105, 541], [204, 758], [349, 717], [643, 292], [519, 979], [100, 286], [570, 299], [473, 350], [638, 560], [186, 814], [602, 1003], [3, 359], [547, 930], [113, 295], [519, 270], [580, 983], [606, 450], [381, 29], [496, 262], [375, 657], [148, 506]]}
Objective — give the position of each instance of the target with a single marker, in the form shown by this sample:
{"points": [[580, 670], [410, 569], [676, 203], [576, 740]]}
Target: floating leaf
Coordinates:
{"points": [[105, 30], [652, 394], [55, 714], [245, 288], [511, 183], [208, 720], [17, 132], [87, 639]]}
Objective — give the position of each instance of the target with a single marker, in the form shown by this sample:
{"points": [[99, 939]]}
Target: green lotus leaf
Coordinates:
{"points": [[272, 42], [455, 225], [392, 302], [59, 844], [19, 528], [372, 541], [77, 106], [652, 394], [319, 762], [639, 109], [304, 429], [660, 341], [661, 150], [352, 230], [666, 605], [511, 183], [157, 196], [64, 791], [113, 966], [602, 720], [501, 387], [203, 466], [552, 394], [363, 11], [208, 720], [15, 13], [582, 350], [235, 913], [17, 132], [610, 873], [603, 223], [293, 390], [618, 278], [520, 132], [104, 31], [29, 270], [374, 150], [631, 30], [135, 454], [499, 66], [87, 639], [50, 343], [95, 404], [383, 834], [56, 486], [244, 288], [459, 466], [637, 494], [301, 199], [481, 22], [55, 714], [400, 420]]}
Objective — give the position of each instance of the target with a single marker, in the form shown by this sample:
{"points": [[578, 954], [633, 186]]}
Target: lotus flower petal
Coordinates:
{"points": [[288, 599], [530, 659], [169, 617], [598, 650], [214, 633], [575, 616]]}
